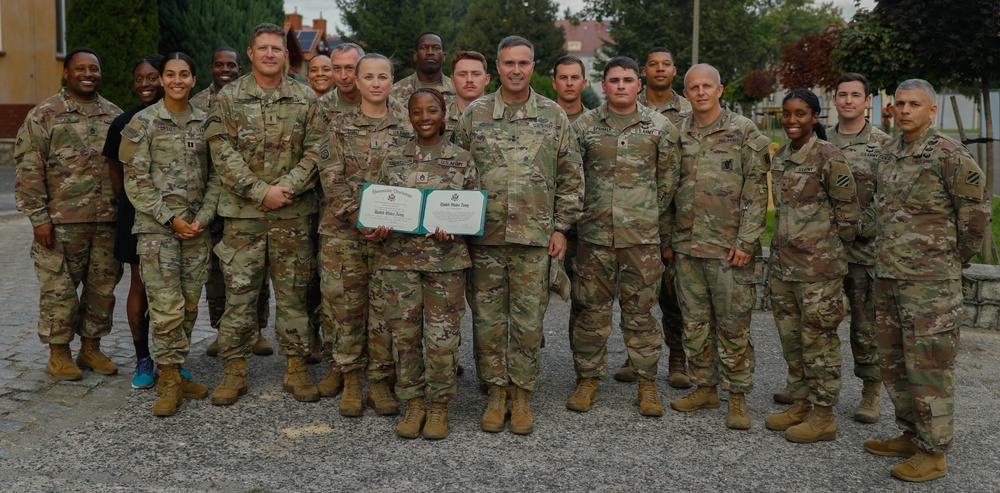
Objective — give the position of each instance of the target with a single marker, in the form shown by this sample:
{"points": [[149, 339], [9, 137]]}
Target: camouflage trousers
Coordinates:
{"points": [[918, 326], [215, 287], [858, 284], [602, 272], [673, 324], [424, 311], [717, 307], [508, 292], [354, 306], [249, 248], [173, 271], [82, 253], [807, 315]]}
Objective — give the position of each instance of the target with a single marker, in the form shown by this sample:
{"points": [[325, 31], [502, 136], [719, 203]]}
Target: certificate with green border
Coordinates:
{"points": [[422, 211]]}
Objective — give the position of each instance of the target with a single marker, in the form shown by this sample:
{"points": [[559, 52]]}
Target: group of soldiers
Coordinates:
{"points": [[650, 198]]}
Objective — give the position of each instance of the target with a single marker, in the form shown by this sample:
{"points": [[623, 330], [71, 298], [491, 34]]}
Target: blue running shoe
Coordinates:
{"points": [[185, 375], [143, 378]]}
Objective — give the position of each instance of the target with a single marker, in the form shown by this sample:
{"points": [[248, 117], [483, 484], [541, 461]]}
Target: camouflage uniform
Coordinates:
{"points": [[934, 212], [721, 202], [351, 154], [424, 279], [258, 142], [166, 175], [61, 179], [864, 153], [533, 174], [815, 216], [404, 88], [630, 177], [454, 115], [206, 99]]}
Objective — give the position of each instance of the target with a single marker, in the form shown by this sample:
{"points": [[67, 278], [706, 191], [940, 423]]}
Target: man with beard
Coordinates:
{"points": [[429, 55]]}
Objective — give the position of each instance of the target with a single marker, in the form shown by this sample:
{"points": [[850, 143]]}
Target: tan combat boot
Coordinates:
{"points": [[171, 395], [677, 367], [350, 400], [331, 384], [871, 396], [413, 419], [584, 396], [91, 357], [189, 389], [626, 373], [821, 425], [520, 412], [298, 382], [648, 399], [213, 348], [703, 398], [61, 363], [436, 427], [496, 410], [739, 416], [261, 346], [792, 416], [921, 467], [901, 446], [381, 399], [233, 384]]}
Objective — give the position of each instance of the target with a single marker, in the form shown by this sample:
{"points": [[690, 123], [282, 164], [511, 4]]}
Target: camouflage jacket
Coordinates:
{"points": [[454, 115], [815, 212], [529, 166], [351, 154], [60, 176], [205, 100], [331, 105], [721, 200], [934, 209], [167, 172], [674, 109], [630, 177], [445, 167], [405, 87], [257, 142], [864, 152]]}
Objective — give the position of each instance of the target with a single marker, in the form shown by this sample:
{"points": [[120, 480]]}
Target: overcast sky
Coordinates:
{"points": [[312, 9]]}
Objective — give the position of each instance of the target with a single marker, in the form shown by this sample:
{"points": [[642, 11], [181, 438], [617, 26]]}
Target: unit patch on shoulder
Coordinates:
{"points": [[843, 181]]}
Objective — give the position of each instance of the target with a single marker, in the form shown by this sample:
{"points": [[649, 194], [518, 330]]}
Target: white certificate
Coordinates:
{"points": [[396, 207], [457, 212]]}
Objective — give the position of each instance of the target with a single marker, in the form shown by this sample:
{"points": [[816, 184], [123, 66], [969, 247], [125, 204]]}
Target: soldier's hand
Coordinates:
{"points": [[379, 233], [45, 234], [737, 257], [440, 235], [276, 198], [557, 245], [668, 255]]}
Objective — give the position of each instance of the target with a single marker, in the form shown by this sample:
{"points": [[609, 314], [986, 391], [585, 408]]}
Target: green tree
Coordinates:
{"points": [[198, 28], [489, 21], [871, 46], [104, 25]]}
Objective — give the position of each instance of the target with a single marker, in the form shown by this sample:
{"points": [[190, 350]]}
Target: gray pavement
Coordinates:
{"points": [[98, 434]]}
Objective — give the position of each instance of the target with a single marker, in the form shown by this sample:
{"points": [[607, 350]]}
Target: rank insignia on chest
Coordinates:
{"points": [[843, 181], [727, 165], [272, 119], [190, 145], [422, 177], [622, 143], [93, 131], [973, 178]]}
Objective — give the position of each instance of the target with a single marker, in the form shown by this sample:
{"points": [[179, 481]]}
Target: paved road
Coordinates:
{"points": [[6, 190], [100, 435]]}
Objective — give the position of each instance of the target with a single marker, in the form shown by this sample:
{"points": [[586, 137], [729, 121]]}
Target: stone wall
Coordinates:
{"points": [[6, 153]]}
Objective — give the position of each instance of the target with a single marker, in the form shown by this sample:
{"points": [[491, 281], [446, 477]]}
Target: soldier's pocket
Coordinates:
{"points": [[50, 260], [150, 264], [930, 321], [751, 273], [304, 267], [652, 280]]}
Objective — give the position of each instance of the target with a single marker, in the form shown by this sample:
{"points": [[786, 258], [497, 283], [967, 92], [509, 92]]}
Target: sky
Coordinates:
{"points": [[312, 9]]}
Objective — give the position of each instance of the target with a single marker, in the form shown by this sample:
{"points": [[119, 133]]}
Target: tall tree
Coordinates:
{"points": [[871, 46], [489, 21], [102, 25], [807, 64]]}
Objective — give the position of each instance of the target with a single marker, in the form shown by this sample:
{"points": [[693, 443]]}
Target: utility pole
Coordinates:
{"points": [[694, 37]]}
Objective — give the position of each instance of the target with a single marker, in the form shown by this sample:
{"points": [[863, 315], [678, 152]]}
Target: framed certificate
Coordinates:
{"points": [[422, 211]]}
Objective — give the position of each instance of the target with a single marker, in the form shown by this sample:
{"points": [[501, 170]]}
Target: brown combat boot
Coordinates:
{"points": [[213, 348], [584, 396], [436, 427], [901, 446], [61, 363], [792, 416], [171, 395], [678, 370], [189, 388], [91, 357], [496, 410], [921, 467], [413, 419], [520, 412], [626, 373], [821, 425], [233, 384], [381, 399], [739, 416], [298, 382], [330, 385], [261, 346], [702, 398], [871, 397], [648, 399], [350, 400]]}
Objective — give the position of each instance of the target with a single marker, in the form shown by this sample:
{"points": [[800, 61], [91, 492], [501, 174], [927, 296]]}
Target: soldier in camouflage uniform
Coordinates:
{"points": [[569, 79], [63, 186], [659, 71], [351, 154], [262, 134], [720, 210], [934, 213], [815, 217], [344, 59], [630, 166], [522, 144], [225, 68], [428, 55], [470, 77], [175, 192]]}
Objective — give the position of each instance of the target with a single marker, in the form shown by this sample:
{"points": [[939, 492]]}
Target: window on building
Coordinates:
{"points": [[61, 6], [574, 46]]}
